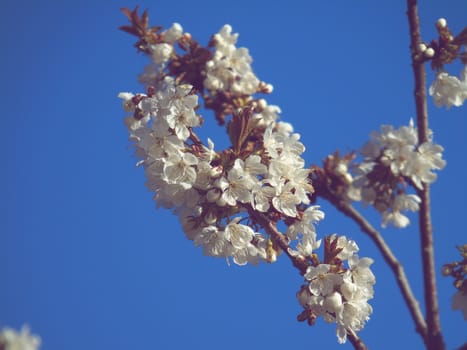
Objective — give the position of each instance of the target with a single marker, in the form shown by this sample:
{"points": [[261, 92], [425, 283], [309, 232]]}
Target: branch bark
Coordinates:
{"points": [[434, 340], [297, 260], [355, 340]]}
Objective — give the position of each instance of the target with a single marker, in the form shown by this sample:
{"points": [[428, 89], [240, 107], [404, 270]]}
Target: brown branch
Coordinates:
{"points": [[396, 267], [297, 260], [355, 340], [434, 340]]}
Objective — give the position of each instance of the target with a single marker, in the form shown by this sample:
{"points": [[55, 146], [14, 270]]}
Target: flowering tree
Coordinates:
{"points": [[257, 200]]}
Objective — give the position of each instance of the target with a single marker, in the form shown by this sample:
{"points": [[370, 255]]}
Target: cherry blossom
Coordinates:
{"points": [[10, 339], [448, 90]]}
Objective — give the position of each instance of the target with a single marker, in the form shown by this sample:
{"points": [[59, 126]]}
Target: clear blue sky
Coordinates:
{"points": [[87, 261]]}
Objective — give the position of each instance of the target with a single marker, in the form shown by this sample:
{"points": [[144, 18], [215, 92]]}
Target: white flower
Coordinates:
{"points": [[322, 282], [178, 169], [23, 340], [459, 302], [239, 235], [262, 194], [180, 115], [428, 157], [214, 242], [253, 166], [128, 104], [310, 216], [402, 202], [348, 246], [362, 277], [305, 231], [285, 201], [161, 52], [174, 33], [237, 186], [354, 316], [268, 115], [448, 90]]}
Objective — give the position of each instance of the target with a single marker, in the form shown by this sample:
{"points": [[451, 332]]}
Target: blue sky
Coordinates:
{"points": [[87, 261]]}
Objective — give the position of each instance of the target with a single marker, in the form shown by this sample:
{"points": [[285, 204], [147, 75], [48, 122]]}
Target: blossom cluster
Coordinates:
{"points": [[392, 159], [230, 67], [232, 202], [211, 191], [337, 293], [23, 340]]}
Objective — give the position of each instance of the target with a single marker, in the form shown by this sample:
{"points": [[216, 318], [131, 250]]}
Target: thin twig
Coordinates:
{"points": [[297, 260], [355, 340], [434, 340], [396, 267]]}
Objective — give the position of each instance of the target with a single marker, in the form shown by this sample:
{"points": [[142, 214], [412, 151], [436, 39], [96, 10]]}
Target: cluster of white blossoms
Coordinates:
{"points": [[10, 339], [210, 191], [389, 156], [232, 202], [338, 294], [230, 70], [448, 90]]}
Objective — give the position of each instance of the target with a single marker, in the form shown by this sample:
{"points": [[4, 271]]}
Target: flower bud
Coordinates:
{"points": [[441, 23], [268, 88], [422, 47], [262, 103], [430, 52], [174, 33]]}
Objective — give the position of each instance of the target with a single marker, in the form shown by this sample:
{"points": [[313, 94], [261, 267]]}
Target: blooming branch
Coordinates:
{"points": [[412, 304], [235, 202]]}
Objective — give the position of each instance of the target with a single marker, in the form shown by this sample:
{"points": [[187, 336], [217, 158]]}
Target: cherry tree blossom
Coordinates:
{"points": [[257, 199]]}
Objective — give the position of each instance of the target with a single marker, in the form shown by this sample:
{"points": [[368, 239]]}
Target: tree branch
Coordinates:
{"points": [[434, 340], [297, 260], [396, 267], [355, 340]]}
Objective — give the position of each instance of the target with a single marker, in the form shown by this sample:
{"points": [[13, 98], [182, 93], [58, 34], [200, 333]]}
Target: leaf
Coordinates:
{"points": [[145, 19], [461, 38], [127, 12], [129, 30], [134, 16]]}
